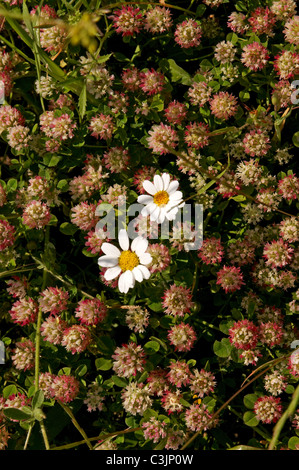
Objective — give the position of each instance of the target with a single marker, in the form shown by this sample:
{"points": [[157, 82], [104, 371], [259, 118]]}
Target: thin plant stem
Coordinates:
{"points": [[28, 436], [45, 437], [76, 424], [97, 438]]}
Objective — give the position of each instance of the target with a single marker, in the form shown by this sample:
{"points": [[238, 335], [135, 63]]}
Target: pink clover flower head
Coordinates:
{"points": [[53, 300], [91, 311], [24, 311], [268, 409], [230, 278], [188, 34], [76, 338], [127, 21], [254, 56], [244, 335], [7, 234], [177, 301]]}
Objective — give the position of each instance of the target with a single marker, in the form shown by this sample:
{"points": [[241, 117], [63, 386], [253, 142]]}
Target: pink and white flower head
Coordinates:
{"points": [[128, 265], [283, 9], [237, 22], [268, 409], [244, 335], [36, 214], [197, 135], [182, 336], [188, 34], [262, 21], [52, 329], [254, 56], [277, 253], [76, 338], [127, 21], [128, 360], [10, 117], [175, 112], [177, 301], [291, 30], [162, 138], [161, 258], [154, 429], [91, 311], [53, 300], [223, 105], [151, 81], [24, 311], [286, 64], [17, 287], [157, 20], [230, 278], [102, 126], [163, 200], [198, 418], [23, 355], [7, 235], [64, 388], [211, 251]]}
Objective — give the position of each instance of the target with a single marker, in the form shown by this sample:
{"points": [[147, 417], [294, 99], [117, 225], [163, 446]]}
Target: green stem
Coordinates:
{"points": [[76, 424], [97, 438], [291, 409], [28, 436], [45, 437]]}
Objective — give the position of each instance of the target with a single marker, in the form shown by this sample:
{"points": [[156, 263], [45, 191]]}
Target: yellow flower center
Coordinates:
{"points": [[161, 198], [128, 260]]}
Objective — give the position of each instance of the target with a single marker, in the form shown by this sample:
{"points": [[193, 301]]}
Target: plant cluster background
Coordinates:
{"points": [[167, 347]]}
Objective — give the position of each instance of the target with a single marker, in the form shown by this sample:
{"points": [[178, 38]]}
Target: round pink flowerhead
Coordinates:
{"points": [[268, 409], [53, 300], [254, 56], [7, 235], [127, 21], [188, 34], [91, 311], [230, 278], [177, 301], [244, 335]]}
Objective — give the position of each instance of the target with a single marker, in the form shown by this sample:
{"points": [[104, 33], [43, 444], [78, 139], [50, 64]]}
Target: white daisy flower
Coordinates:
{"points": [[129, 264], [163, 200]]}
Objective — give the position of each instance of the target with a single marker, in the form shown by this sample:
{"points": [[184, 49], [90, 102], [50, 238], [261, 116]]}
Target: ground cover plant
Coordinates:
{"points": [[115, 342]]}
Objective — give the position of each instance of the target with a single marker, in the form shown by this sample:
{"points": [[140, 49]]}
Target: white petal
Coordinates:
{"points": [[161, 217], [149, 187], [158, 182], [123, 239], [110, 250], [166, 180], [172, 213], [173, 187], [126, 281], [176, 196], [145, 199], [107, 261], [112, 273], [139, 245], [137, 273], [145, 272], [155, 213], [148, 209], [145, 258]]}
